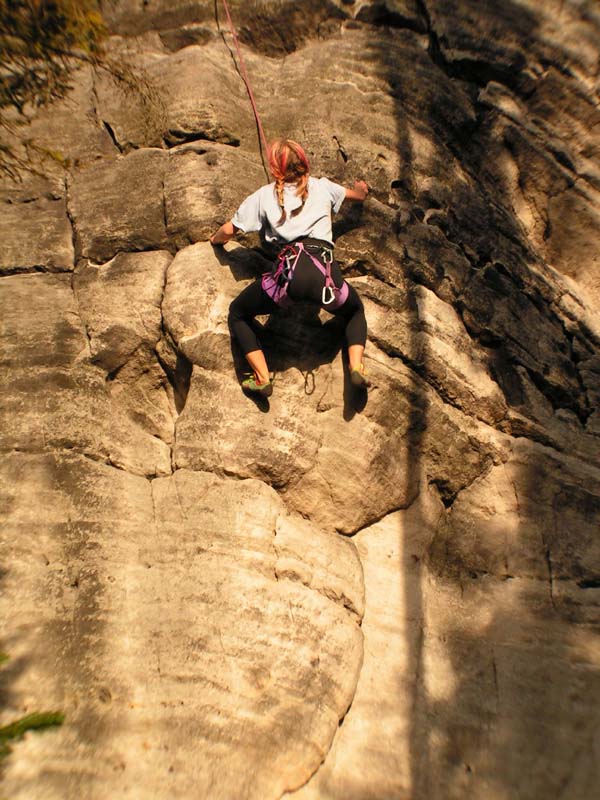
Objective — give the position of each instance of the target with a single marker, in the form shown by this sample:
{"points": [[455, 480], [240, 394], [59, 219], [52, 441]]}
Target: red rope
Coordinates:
{"points": [[246, 80]]}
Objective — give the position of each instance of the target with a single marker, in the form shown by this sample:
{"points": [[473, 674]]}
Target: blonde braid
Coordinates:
{"points": [[279, 189], [302, 193]]}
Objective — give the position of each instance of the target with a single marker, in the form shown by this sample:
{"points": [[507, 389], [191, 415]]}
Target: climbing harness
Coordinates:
{"points": [[244, 76], [276, 282]]}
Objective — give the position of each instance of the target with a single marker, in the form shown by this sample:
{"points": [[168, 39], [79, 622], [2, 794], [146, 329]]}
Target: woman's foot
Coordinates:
{"points": [[358, 377], [251, 384]]}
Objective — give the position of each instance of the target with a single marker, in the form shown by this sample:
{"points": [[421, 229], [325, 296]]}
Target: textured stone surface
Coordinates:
{"points": [[71, 133], [52, 397], [172, 571], [108, 220], [429, 335], [535, 517], [457, 652], [120, 304], [40, 323], [36, 234], [196, 201], [371, 754], [198, 99], [268, 669], [201, 283]]}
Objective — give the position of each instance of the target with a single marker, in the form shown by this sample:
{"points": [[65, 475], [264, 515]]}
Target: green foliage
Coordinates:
{"points": [[32, 722], [42, 44], [40, 40]]}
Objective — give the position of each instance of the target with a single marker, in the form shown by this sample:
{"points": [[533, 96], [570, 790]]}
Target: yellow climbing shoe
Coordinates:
{"points": [[359, 378]]}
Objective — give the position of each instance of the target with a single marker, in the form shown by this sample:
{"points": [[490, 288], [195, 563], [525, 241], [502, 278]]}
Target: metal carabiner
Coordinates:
{"points": [[326, 289], [288, 267]]}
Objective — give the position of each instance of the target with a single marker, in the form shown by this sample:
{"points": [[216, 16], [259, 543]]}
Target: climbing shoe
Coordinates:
{"points": [[251, 385], [359, 378]]}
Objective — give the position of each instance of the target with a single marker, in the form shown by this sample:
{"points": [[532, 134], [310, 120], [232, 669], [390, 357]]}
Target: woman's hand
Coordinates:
{"points": [[224, 234], [360, 191], [361, 187]]}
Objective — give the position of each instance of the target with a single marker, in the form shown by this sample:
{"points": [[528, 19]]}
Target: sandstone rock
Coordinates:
{"points": [[314, 455], [207, 612], [135, 17], [49, 409], [197, 198], [49, 186], [40, 323], [505, 524], [498, 39], [265, 26], [575, 216], [395, 13], [541, 345], [141, 390], [120, 304], [36, 236], [278, 447], [369, 463], [494, 657], [70, 132], [196, 94], [178, 38], [106, 220], [328, 564], [50, 394], [448, 656], [201, 283], [118, 602], [373, 746], [546, 126], [430, 336]]}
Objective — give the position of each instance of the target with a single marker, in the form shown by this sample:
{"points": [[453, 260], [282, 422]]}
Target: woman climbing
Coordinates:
{"points": [[294, 215]]}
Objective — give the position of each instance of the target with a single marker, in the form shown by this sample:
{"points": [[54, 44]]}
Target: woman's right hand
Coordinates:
{"points": [[358, 193], [362, 188]]}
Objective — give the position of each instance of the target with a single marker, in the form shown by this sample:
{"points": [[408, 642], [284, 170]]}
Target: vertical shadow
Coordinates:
{"points": [[402, 193], [494, 728]]}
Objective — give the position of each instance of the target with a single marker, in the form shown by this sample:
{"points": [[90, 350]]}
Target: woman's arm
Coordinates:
{"points": [[359, 193], [225, 233]]}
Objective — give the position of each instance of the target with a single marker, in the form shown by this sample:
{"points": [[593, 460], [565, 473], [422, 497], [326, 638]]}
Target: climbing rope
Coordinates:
{"points": [[243, 72]]}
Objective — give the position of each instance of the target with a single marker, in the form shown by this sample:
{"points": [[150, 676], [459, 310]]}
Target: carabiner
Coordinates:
{"points": [[324, 295], [288, 266]]}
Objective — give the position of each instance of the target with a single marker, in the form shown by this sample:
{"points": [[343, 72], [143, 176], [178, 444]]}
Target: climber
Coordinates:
{"points": [[294, 214]]}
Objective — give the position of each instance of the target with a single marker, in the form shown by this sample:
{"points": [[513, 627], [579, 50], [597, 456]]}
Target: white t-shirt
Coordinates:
{"points": [[261, 212]]}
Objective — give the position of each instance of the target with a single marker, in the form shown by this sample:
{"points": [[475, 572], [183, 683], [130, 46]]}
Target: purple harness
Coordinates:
{"points": [[276, 282]]}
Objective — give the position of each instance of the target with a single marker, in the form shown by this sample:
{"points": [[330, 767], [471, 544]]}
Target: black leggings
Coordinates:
{"points": [[306, 285]]}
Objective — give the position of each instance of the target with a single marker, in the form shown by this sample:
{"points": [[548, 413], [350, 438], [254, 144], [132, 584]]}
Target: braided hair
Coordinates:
{"points": [[288, 164]]}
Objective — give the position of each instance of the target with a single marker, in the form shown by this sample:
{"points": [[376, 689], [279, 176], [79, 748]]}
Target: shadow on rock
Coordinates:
{"points": [[355, 398], [243, 262]]}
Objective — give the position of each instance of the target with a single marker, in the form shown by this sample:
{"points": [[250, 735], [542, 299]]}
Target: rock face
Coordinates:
{"points": [[327, 596]]}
